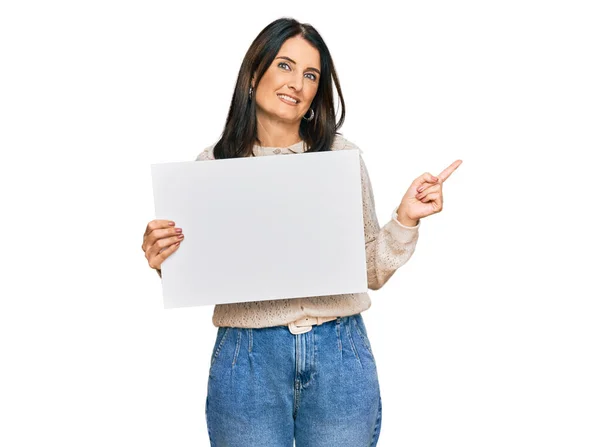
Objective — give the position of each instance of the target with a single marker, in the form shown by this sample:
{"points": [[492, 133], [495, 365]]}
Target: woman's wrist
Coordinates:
{"points": [[405, 220]]}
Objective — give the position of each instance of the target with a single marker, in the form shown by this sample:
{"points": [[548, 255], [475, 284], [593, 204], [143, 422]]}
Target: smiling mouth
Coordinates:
{"points": [[288, 99]]}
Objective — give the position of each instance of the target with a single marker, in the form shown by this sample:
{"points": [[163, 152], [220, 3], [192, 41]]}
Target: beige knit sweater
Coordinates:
{"points": [[387, 249]]}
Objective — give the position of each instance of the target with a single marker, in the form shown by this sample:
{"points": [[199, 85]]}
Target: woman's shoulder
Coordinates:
{"points": [[207, 153], [340, 143]]}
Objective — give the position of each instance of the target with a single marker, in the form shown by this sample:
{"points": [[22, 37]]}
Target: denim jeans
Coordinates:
{"points": [[268, 387]]}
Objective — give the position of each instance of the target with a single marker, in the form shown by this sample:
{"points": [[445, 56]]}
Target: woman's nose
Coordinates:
{"points": [[295, 83]]}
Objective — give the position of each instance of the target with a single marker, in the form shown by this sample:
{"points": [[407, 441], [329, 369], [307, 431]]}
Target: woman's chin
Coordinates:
{"points": [[281, 114], [287, 117]]}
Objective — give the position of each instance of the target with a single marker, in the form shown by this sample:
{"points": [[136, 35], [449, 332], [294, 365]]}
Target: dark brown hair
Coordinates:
{"points": [[239, 134]]}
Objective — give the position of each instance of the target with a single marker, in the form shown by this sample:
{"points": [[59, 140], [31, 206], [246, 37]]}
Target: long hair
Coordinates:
{"points": [[240, 134]]}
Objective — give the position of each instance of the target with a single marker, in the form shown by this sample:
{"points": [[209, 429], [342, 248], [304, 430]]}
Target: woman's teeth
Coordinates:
{"points": [[288, 99]]}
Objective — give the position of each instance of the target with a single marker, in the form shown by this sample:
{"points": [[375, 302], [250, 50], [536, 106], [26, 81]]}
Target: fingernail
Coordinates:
{"points": [[171, 223]]}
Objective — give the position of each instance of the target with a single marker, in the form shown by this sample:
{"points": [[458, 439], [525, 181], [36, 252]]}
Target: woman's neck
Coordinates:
{"points": [[277, 134]]}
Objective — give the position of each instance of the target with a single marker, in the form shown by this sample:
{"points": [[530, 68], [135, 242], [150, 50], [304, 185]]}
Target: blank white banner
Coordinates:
{"points": [[262, 228]]}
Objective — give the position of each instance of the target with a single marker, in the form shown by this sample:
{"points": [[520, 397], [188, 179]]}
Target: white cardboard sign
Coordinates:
{"points": [[262, 228]]}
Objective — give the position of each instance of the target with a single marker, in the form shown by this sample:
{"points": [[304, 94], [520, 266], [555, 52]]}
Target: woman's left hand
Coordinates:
{"points": [[424, 196]]}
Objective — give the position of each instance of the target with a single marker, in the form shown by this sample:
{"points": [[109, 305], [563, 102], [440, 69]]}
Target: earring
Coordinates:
{"points": [[312, 115], [250, 93]]}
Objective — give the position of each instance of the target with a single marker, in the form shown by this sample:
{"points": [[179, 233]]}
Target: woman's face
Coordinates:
{"points": [[289, 85]]}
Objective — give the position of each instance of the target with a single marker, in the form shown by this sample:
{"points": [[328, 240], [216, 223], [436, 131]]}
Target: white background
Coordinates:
{"points": [[488, 336]]}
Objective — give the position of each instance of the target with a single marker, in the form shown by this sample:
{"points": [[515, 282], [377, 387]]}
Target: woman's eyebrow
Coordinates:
{"points": [[294, 62]]}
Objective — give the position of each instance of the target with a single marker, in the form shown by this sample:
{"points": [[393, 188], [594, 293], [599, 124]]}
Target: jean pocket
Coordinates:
{"points": [[219, 342], [362, 332]]}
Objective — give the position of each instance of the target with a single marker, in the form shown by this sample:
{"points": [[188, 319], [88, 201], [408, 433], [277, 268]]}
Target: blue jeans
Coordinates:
{"points": [[267, 387]]}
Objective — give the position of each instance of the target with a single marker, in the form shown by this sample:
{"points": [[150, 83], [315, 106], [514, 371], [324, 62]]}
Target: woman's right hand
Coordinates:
{"points": [[161, 240]]}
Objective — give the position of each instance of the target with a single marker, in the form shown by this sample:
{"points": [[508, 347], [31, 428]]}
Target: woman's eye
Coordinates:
{"points": [[286, 66]]}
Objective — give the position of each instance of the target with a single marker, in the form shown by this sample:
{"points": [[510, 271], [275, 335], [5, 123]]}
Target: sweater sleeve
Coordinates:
{"points": [[206, 154], [389, 247]]}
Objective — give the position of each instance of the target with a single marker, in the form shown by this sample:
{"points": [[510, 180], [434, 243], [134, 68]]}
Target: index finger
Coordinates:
{"points": [[449, 170]]}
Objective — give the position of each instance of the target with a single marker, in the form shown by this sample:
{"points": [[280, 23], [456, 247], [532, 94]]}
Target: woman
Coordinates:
{"points": [[299, 368]]}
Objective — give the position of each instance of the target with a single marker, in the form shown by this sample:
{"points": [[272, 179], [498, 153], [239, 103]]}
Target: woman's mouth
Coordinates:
{"points": [[287, 99]]}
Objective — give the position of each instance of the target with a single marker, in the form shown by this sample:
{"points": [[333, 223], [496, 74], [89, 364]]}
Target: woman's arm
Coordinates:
{"points": [[389, 247]]}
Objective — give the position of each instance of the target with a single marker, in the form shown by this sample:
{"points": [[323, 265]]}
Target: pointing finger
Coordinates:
{"points": [[449, 170]]}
